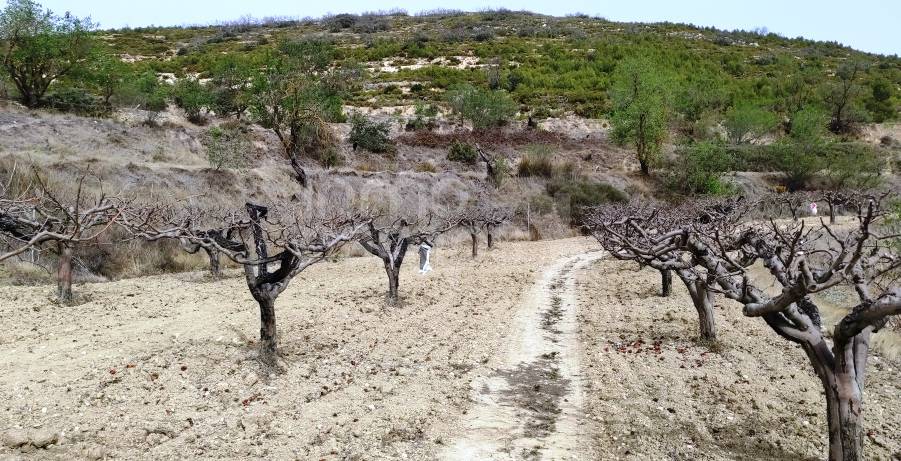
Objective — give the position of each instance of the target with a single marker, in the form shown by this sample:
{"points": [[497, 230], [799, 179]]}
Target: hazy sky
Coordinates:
{"points": [[868, 25]]}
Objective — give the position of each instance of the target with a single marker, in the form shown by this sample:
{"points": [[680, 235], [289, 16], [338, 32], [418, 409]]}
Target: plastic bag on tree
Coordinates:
{"points": [[425, 250]]}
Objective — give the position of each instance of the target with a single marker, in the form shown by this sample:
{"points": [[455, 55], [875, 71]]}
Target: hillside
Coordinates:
{"points": [[556, 148], [549, 64]]}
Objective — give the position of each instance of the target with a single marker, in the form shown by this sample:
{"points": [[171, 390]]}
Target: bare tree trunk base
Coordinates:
{"points": [[392, 299], [666, 282], [64, 274]]}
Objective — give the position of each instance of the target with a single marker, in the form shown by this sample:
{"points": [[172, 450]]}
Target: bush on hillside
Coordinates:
{"points": [[574, 195], [535, 166], [76, 101], [699, 169], [370, 135], [800, 156], [423, 119], [341, 21], [745, 123], [483, 108], [462, 152], [193, 98]]}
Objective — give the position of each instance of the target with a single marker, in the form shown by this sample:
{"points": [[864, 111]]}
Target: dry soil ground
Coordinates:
{"points": [[655, 392], [534, 341]]}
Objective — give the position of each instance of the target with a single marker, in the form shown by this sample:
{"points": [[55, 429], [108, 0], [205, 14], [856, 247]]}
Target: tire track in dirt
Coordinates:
{"points": [[529, 407]]}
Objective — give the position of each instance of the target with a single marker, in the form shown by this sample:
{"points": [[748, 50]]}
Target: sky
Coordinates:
{"points": [[867, 25]]}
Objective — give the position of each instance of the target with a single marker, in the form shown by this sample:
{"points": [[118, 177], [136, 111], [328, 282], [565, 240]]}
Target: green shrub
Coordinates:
{"points": [[462, 152], [193, 98], [146, 93], [745, 123], [370, 135], [699, 169], [574, 195], [329, 157], [424, 118], [341, 21], [800, 156], [76, 101], [853, 165], [418, 123], [483, 108]]}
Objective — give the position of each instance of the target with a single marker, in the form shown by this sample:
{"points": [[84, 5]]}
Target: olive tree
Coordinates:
{"points": [[293, 95], [640, 107], [40, 46]]}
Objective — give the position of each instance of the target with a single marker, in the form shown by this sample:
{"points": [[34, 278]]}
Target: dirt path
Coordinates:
{"points": [[529, 407]]}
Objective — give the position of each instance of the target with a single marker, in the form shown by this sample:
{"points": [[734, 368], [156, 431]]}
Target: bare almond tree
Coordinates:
{"points": [[644, 232], [497, 216], [302, 238], [795, 203], [483, 213], [389, 238], [41, 218], [804, 260], [836, 199], [472, 222], [225, 234]]}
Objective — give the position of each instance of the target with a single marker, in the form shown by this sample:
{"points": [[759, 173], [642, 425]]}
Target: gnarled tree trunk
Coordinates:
{"points": [[703, 302], [64, 272], [263, 284], [268, 333], [489, 236], [475, 244], [299, 172], [393, 282], [842, 377], [215, 269], [666, 282]]}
